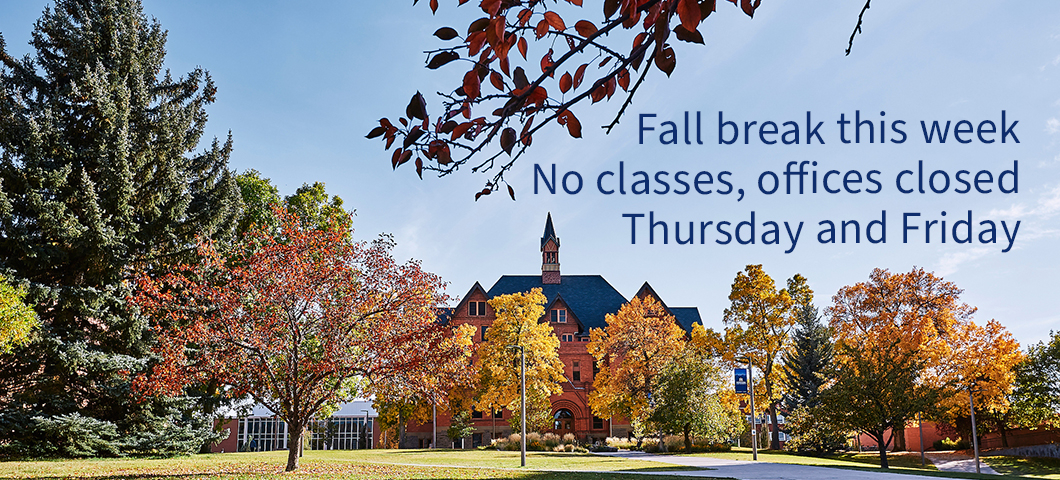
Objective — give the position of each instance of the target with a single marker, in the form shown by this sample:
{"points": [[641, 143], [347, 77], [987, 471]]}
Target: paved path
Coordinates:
{"points": [[955, 462], [758, 470]]}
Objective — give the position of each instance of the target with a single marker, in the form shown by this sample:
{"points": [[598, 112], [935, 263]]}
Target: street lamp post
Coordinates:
{"points": [[975, 438], [754, 420], [522, 402], [367, 443]]}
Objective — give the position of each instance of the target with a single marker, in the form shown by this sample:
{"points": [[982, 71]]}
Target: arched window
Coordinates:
{"points": [[563, 419]]}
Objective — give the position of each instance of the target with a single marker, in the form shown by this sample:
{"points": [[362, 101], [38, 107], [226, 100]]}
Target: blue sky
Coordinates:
{"points": [[300, 85]]}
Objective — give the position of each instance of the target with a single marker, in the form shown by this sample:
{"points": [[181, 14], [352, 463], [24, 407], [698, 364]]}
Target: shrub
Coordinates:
{"points": [[947, 444], [620, 442], [811, 433]]}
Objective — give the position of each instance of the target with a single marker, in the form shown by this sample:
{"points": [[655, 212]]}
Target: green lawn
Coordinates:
{"points": [[342, 464], [904, 462], [495, 459], [1026, 467]]}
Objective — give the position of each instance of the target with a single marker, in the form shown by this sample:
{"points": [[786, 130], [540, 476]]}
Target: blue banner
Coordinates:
{"points": [[741, 380]]}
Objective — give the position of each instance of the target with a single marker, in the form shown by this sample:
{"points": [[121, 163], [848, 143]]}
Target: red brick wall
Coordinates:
{"points": [[227, 445]]}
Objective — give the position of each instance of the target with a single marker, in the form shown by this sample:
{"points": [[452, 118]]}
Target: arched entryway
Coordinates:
{"points": [[563, 421]]}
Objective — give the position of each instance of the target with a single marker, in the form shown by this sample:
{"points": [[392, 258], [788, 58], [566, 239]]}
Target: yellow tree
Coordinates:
{"points": [[758, 324], [631, 352], [982, 359], [922, 316], [518, 324], [17, 320]]}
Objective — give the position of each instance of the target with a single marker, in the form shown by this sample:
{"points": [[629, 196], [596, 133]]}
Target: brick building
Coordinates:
{"points": [[575, 305]]}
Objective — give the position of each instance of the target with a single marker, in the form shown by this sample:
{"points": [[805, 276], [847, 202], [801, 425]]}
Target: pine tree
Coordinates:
{"points": [[807, 360], [100, 174]]}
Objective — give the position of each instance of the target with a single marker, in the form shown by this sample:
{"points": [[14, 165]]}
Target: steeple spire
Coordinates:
{"points": [[550, 254]]}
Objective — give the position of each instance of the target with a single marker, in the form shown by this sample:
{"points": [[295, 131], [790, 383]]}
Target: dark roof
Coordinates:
{"points": [[550, 232], [589, 297], [686, 316]]}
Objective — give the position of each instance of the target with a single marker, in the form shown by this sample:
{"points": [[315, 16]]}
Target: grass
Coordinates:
{"points": [[903, 462], [342, 465], [1026, 467], [495, 459]]}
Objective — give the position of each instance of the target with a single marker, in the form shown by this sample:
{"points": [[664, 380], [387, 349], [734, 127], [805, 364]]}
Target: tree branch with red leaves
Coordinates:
{"points": [[520, 103]]}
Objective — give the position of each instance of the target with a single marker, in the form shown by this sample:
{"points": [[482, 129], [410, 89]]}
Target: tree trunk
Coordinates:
{"points": [[662, 443], [882, 443], [883, 457], [401, 432], [688, 438], [774, 440], [294, 446], [899, 438], [1004, 433]]}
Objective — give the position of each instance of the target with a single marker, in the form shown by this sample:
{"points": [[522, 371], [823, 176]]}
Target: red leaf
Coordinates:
{"points": [[565, 83], [546, 63], [394, 158], [508, 140], [623, 79], [666, 61], [446, 33], [524, 16], [538, 96], [524, 136], [579, 75], [541, 29], [497, 81], [556, 21], [686, 36], [376, 132], [688, 12], [748, 7], [599, 93], [419, 167], [472, 84], [585, 28], [511, 192], [434, 6], [522, 47], [574, 127]]}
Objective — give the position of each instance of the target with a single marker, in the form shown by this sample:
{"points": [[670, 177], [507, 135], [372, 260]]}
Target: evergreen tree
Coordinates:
{"points": [[807, 360], [100, 174]]}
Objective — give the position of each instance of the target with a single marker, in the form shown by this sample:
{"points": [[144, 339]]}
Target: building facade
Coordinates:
{"points": [[575, 305]]}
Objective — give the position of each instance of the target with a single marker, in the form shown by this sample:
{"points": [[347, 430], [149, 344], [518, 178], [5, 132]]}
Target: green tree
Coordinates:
{"points": [[758, 325], [100, 172], [808, 360], [687, 401], [17, 320], [1036, 395], [518, 324], [259, 196], [312, 204]]}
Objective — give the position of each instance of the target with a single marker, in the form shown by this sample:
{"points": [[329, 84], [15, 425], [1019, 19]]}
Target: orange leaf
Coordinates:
{"points": [[579, 75], [565, 82], [688, 12], [556, 21], [585, 28], [623, 79], [471, 84], [522, 46], [541, 29]]}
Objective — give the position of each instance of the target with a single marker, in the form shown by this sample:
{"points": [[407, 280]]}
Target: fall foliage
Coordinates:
{"points": [[907, 341], [300, 319], [757, 326], [636, 347], [17, 320], [525, 90], [517, 323]]}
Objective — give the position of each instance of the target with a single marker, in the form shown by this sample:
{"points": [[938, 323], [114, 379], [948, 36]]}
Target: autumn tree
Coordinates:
{"points": [[504, 97], [301, 321], [518, 323], [914, 326], [757, 326], [631, 352], [102, 171], [17, 320]]}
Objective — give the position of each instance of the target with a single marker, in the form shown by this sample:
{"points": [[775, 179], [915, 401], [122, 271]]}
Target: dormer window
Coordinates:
{"points": [[559, 315], [476, 309]]}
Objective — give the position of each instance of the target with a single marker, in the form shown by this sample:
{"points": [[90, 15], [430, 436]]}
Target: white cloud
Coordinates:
{"points": [[950, 262], [1047, 206], [1052, 126]]}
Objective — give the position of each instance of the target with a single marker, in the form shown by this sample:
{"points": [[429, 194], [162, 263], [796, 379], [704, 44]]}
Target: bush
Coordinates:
{"points": [[947, 444], [620, 442], [535, 442], [810, 433]]}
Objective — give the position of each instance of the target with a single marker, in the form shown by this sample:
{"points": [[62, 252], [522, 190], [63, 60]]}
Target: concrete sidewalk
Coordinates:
{"points": [[758, 470], [955, 462]]}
